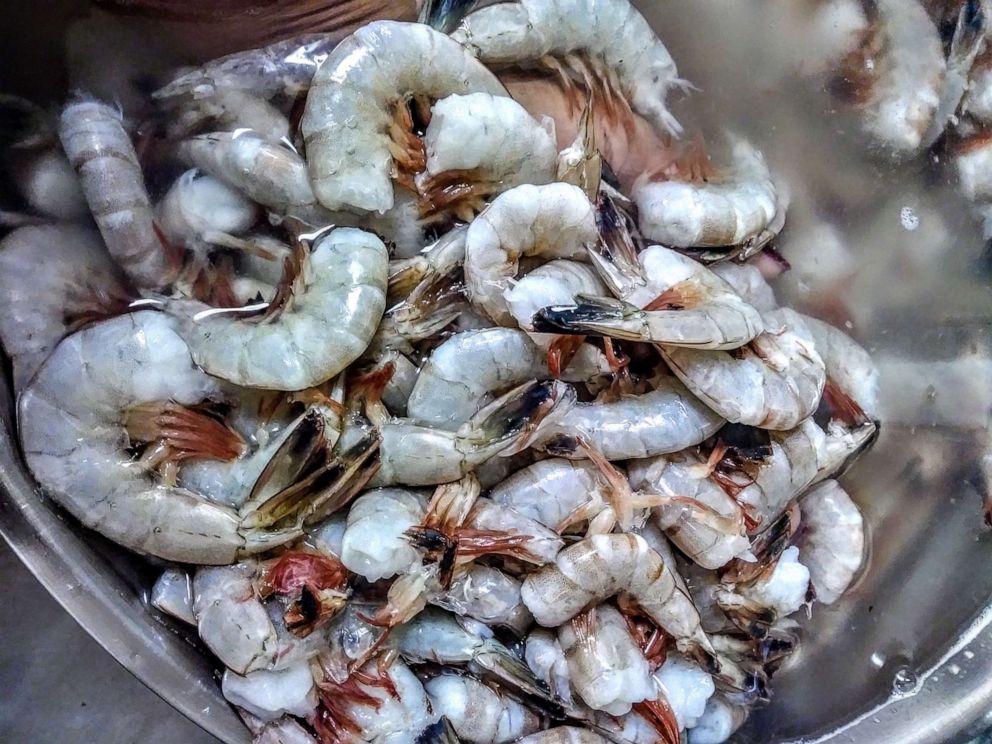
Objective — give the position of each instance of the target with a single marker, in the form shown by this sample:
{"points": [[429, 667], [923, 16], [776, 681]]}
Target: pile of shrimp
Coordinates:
{"points": [[453, 418]]}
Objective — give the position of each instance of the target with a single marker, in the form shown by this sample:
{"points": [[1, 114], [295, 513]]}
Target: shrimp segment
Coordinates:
{"points": [[349, 111], [325, 323], [480, 714], [833, 541]]}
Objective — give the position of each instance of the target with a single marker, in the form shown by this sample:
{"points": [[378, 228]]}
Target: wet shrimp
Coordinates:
{"points": [[49, 185], [777, 592], [480, 714], [565, 735], [101, 152], [774, 382], [286, 730], [488, 595], [269, 695], [557, 282], [80, 282], [719, 721], [747, 281], [832, 539], [333, 302], [578, 40], [172, 594], [848, 365], [228, 110], [79, 456], [729, 210], [665, 298], [374, 544], [686, 688], [551, 221], [354, 140], [461, 374]]}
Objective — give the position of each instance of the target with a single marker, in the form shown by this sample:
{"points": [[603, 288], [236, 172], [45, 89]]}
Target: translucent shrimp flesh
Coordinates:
{"points": [[480, 714], [833, 539]]}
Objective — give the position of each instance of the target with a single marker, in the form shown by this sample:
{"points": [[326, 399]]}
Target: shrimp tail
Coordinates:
{"points": [[518, 416], [661, 716], [599, 316], [497, 662], [561, 351], [302, 451], [187, 433], [766, 548], [441, 732], [446, 15], [615, 256], [436, 301]]}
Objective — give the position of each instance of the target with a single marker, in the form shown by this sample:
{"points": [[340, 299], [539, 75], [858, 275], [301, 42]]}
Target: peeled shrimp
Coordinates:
{"points": [[462, 373], [551, 221], [80, 281], [833, 541], [269, 695], [100, 150], [326, 322], [350, 109], [172, 594], [606, 42], [774, 382], [374, 544], [480, 714], [726, 211]]}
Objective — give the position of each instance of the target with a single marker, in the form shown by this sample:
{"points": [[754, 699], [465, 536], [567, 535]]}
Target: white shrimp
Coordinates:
{"points": [[327, 320], [833, 539], [735, 209], [269, 695], [228, 110], [781, 591], [719, 721], [286, 730], [101, 152], [461, 374], [551, 221], [479, 713], [172, 594], [607, 43], [666, 419], [565, 735], [774, 382], [599, 566], [557, 282], [664, 297], [747, 281], [488, 595], [374, 544], [350, 113], [847, 364], [699, 516], [79, 281], [49, 185], [76, 420], [545, 657], [605, 664]]}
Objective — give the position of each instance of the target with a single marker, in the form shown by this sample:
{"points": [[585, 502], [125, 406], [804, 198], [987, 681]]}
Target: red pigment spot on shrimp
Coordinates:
{"points": [[315, 584]]}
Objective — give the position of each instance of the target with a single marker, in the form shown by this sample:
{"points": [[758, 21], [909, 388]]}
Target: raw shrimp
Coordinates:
{"points": [[544, 656], [977, 100], [605, 664], [49, 184], [565, 735], [774, 382], [602, 565], [732, 210], [286, 730], [80, 282], [462, 373], [228, 110], [557, 282], [833, 539], [719, 721], [847, 364], [374, 544], [325, 320], [666, 419], [686, 688], [774, 594], [584, 38], [488, 595], [101, 152], [480, 714], [698, 516], [432, 263], [747, 281], [353, 140], [172, 594], [269, 695], [665, 297], [74, 423], [551, 221], [419, 455]]}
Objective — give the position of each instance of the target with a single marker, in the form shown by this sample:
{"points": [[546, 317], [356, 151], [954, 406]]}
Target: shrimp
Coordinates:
{"points": [[557, 282], [972, 160], [733, 210], [666, 419], [719, 721], [747, 281], [565, 735], [332, 304], [605, 664], [488, 595], [583, 40], [774, 382], [434, 262], [698, 516], [79, 455], [285, 730], [374, 544], [228, 110], [354, 142], [833, 540], [462, 373], [977, 100], [101, 152], [269, 695], [80, 282], [545, 657], [598, 567], [686, 688], [552, 221], [847, 364], [172, 594], [774, 594], [480, 714], [49, 185]]}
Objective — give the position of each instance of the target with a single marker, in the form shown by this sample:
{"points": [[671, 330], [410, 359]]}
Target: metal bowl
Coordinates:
{"points": [[905, 657]]}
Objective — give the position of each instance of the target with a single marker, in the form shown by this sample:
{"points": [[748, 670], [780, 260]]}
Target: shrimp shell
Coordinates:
{"points": [[833, 543], [479, 713]]}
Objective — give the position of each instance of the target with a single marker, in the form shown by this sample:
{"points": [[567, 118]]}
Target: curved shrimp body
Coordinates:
{"points": [[605, 664], [374, 545], [101, 152], [610, 34], [727, 211], [198, 210], [552, 221], [325, 324], [698, 516], [665, 297], [565, 735], [353, 97], [746, 280], [598, 567], [461, 374], [719, 721], [80, 280], [667, 419], [557, 282], [269, 695], [833, 542], [72, 431], [488, 595], [479, 713], [847, 363], [774, 382]]}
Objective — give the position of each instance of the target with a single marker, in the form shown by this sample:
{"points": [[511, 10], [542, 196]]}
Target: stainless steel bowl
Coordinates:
{"points": [[905, 658]]}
